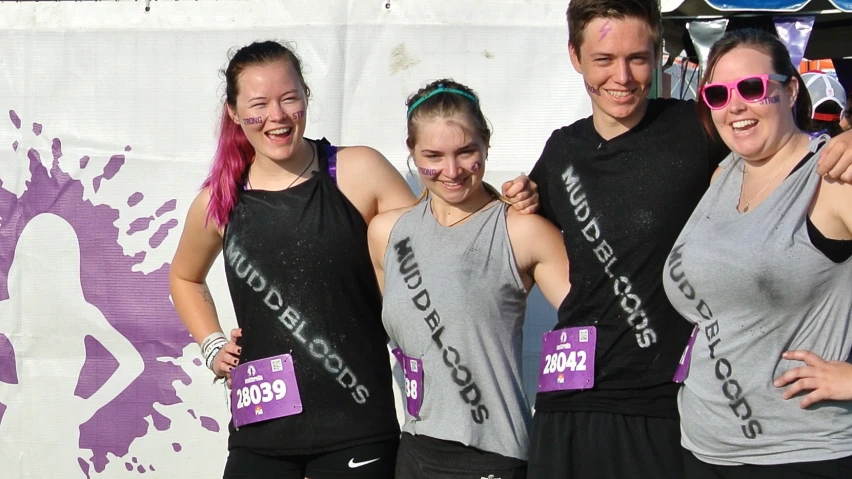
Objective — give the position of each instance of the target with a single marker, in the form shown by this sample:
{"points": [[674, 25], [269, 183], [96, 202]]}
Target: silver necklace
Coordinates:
{"points": [[490, 199], [313, 156], [746, 207]]}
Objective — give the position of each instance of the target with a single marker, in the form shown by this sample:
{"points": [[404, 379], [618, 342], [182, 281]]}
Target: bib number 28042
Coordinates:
{"points": [[561, 362], [568, 359]]}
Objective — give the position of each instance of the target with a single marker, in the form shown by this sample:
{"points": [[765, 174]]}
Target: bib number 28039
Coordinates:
{"points": [[264, 389], [263, 392], [568, 359]]}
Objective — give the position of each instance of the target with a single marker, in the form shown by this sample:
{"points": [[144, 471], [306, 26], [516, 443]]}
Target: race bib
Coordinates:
{"points": [[264, 389], [682, 370], [567, 359], [413, 369]]}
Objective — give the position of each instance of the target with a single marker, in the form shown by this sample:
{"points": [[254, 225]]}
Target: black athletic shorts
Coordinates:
{"points": [[369, 461], [833, 469], [598, 445], [423, 457]]}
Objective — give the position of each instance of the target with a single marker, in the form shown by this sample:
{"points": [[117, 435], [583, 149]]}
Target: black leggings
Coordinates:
{"points": [[369, 461]]}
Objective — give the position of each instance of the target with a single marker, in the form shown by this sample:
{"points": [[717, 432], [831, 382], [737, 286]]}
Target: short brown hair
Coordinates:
{"points": [[582, 12]]}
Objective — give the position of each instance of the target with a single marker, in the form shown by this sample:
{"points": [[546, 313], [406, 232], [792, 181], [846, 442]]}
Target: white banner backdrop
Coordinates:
{"points": [[107, 127]]}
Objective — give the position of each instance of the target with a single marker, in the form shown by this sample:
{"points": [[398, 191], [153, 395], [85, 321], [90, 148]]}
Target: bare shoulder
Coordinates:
{"points": [[383, 223], [528, 226], [196, 217], [838, 192], [361, 156]]}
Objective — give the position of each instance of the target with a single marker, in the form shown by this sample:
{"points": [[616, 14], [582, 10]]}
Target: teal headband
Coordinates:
{"points": [[440, 89]]}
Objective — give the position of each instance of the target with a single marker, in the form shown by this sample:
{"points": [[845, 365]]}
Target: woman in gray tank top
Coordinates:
{"points": [[763, 269], [456, 269]]}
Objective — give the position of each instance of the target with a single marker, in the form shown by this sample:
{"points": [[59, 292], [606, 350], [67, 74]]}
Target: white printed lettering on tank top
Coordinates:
{"points": [[318, 347], [622, 286]]}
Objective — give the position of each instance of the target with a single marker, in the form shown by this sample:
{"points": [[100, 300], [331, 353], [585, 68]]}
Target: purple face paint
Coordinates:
{"points": [[253, 121], [430, 172], [299, 115], [770, 100], [604, 30], [108, 278], [593, 90], [475, 166]]}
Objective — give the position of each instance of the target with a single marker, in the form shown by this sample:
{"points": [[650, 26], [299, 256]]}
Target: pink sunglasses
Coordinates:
{"points": [[751, 89]]}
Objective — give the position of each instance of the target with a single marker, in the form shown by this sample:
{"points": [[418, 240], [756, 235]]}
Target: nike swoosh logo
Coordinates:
{"points": [[353, 464]]}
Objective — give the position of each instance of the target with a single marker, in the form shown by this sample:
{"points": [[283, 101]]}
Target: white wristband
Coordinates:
{"points": [[211, 346]]}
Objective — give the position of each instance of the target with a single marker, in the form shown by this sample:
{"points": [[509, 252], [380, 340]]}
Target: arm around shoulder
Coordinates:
{"points": [[370, 182], [540, 255]]}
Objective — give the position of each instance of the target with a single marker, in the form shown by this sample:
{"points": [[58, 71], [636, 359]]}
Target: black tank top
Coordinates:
{"points": [[302, 282]]}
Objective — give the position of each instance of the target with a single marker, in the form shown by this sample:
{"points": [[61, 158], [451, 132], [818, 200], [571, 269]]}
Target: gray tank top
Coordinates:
{"points": [[454, 299], [756, 287]]}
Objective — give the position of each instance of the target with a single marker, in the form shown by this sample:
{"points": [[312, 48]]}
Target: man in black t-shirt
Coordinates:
{"points": [[620, 185]]}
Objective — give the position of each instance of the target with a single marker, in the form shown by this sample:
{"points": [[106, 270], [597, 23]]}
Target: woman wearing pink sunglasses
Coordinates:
{"points": [[763, 269]]}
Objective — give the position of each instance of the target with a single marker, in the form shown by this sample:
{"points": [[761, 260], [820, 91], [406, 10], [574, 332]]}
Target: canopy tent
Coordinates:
{"points": [[831, 34], [713, 7]]}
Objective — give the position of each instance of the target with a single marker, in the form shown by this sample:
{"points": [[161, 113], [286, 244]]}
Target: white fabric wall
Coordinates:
{"points": [[107, 127]]}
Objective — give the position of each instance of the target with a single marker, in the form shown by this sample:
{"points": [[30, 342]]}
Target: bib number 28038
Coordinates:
{"points": [[413, 370], [568, 359]]}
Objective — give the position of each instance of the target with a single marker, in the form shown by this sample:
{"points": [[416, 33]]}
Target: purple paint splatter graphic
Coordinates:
{"points": [[99, 366], [15, 119], [177, 447], [167, 206], [135, 198], [56, 149], [111, 168], [139, 224], [8, 369], [84, 466], [135, 304], [209, 423], [158, 237]]}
